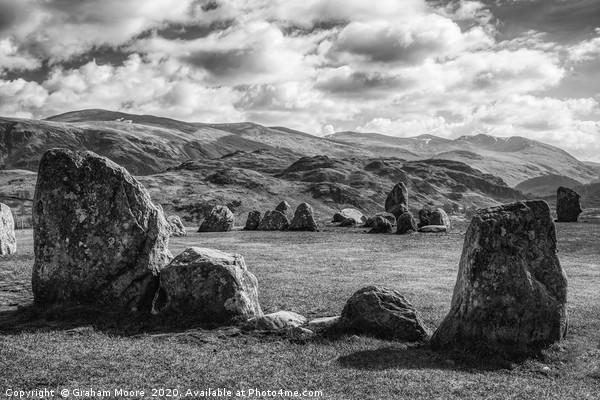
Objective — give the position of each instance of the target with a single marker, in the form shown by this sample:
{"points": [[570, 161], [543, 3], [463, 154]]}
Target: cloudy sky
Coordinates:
{"points": [[400, 67]]}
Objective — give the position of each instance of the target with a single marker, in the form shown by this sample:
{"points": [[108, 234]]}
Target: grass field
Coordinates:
{"points": [[312, 274]]}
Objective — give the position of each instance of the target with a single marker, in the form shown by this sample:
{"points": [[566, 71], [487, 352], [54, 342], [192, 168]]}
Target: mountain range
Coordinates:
{"points": [[190, 166]]}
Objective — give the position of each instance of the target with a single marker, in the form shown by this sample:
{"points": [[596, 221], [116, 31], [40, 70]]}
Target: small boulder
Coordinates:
{"points": [[406, 223], [396, 202], [383, 313], [390, 217], [98, 238], [568, 206], [439, 217], [511, 290], [274, 221], [304, 219], [276, 321], [8, 240], [283, 207], [208, 286], [433, 229], [253, 220], [347, 213], [424, 217], [348, 222], [220, 219], [176, 226], [381, 225]]}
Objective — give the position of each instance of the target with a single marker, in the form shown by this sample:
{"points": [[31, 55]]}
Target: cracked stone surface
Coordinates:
{"points": [[8, 241], [511, 289]]}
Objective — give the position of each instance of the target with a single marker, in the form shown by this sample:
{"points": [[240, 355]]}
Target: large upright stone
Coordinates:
{"points": [[304, 219], [220, 219], [8, 240], [253, 220], [209, 286], [98, 239], [511, 290], [397, 200], [568, 207], [274, 221]]}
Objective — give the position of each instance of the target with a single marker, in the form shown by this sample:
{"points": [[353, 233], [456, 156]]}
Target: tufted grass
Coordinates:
{"points": [[312, 274]]}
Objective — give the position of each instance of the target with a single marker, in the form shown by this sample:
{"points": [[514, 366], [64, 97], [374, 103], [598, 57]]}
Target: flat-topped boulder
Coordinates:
{"points": [[274, 221], [396, 202], [349, 213], [253, 220], [568, 206], [511, 290], [220, 219], [8, 240], [208, 286], [384, 313], [433, 229], [98, 238], [304, 219], [176, 226]]}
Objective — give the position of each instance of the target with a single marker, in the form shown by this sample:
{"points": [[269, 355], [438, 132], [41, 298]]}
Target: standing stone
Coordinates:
{"points": [[439, 217], [283, 207], [176, 226], [274, 221], [253, 220], [207, 285], [396, 202], [383, 313], [381, 225], [347, 213], [406, 223], [220, 219], [568, 207], [98, 239], [424, 217], [511, 289], [304, 219], [8, 240]]}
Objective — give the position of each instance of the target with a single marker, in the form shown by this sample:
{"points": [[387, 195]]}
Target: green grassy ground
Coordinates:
{"points": [[312, 274]]}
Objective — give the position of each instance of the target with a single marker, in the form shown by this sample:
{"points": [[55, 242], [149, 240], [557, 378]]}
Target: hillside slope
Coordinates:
{"points": [[514, 159]]}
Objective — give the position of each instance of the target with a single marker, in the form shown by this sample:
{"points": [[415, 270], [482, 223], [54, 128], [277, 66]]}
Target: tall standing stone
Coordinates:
{"points": [[397, 200], [511, 289], [8, 240], [98, 238], [304, 219], [568, 206], [253, 220]]}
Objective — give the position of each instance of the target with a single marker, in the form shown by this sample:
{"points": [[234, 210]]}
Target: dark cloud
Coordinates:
{"points": [[361, 84]]}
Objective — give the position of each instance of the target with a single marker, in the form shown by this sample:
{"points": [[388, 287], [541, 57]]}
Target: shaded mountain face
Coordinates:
{"points": [[514, 159], [544, 186]]}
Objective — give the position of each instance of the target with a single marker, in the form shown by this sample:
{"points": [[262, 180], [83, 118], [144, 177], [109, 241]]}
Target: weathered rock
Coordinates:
{"points": [[176, 226], [304, 219], [208, 286], [220, 219], [98, 239], [276, 321], [568, 207], [253, 220], [390, 217], [424, 217], [381, 225], [348, 222], [324, 324], [351, 213], [406, 223], [511, 289], [283, 207], [274, 221], [439, 217], [383, 313], [300, 334], [396, 202], [8, 240], [433, 229]]}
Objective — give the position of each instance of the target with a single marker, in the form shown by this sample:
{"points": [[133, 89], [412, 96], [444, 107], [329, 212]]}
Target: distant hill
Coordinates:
{"points": [[544, 186], [514, 159]]}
